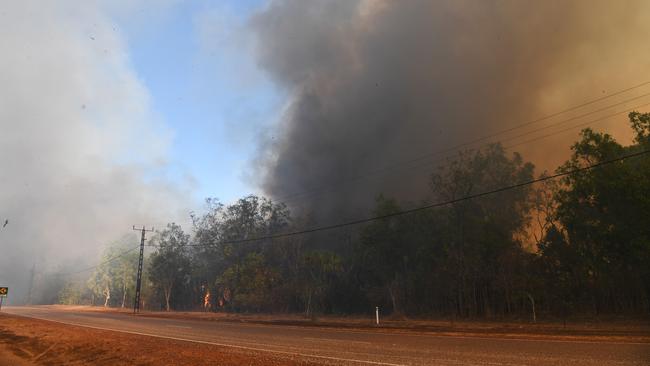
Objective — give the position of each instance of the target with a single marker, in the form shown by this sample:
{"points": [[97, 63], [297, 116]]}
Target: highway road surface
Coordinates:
{"points": [[357, 347]]}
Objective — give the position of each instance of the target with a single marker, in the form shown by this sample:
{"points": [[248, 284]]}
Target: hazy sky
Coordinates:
{"points": [[119, 113], [196, 60]]}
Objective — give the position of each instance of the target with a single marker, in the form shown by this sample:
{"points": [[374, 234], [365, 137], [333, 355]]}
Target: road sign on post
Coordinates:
{"points": [[3, 293]]}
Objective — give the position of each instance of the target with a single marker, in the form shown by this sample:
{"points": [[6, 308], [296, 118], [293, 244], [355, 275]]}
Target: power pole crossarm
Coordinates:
{"points": [[138, 284]]}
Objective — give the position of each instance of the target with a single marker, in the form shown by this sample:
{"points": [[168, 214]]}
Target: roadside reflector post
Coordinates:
{"points": [[377, 314]]}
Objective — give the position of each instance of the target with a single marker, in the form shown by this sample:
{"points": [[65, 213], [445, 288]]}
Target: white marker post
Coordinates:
{"points": [[377, 314]]}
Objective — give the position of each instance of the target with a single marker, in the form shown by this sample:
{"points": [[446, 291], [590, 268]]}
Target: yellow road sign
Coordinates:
{"points": [[4, 291]]}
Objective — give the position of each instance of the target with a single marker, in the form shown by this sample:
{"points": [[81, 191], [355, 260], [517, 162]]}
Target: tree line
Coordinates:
{"points": [[575, 245]]}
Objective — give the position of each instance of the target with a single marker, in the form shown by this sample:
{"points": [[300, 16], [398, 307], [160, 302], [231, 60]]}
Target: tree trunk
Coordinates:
{"points": [[461, 303], [532, 303], [308, 309], [508, 298], [393, 297], [474, 300], [124, 296], [107, 293], [168, 294], [487, 308]]}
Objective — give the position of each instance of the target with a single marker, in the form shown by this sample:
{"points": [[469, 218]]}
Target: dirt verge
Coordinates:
{"points": [[26, 341]]}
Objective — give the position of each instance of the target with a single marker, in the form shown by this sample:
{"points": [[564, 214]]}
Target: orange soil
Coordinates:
{"points": [[25, 341]]}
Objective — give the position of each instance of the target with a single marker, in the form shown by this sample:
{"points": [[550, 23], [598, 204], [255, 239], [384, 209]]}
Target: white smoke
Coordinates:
{"points": [[80, 146]]}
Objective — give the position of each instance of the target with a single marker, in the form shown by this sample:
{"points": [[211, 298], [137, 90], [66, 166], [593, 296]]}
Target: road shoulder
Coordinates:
{"points": [[27, 341], [623, 331]]}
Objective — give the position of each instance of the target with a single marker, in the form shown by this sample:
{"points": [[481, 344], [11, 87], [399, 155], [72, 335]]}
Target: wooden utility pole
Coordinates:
{"points": [[138, 283]]}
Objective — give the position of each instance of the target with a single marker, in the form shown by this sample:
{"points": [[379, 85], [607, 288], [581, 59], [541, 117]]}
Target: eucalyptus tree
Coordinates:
{"points": [[170, 265], [603, 214]]}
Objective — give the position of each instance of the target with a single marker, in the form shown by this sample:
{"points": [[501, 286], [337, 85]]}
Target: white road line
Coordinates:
{"points": [[331, 358], [408, 333], [178, 326], [335, 340]]}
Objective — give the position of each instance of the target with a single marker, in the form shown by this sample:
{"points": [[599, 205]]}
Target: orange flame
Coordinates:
{"points": [[206, 300]]}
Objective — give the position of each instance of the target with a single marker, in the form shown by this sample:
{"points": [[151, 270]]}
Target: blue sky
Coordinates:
{"points": [[197, 62]]}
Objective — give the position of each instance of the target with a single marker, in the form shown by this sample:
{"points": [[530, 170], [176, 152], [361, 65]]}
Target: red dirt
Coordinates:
{"points": [[25, 341]]}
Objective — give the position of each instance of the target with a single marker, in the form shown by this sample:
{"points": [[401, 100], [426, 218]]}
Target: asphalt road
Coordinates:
{"points": [[358, 347]]}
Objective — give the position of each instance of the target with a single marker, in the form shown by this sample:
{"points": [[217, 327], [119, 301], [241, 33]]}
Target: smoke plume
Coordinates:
{"points": [[80, 147], [373, 84]]}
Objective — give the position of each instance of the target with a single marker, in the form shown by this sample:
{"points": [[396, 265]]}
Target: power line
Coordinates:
{"points": [[582, 124], [445, 203], [537, 138], [427, 207], [323, 188], [98, 265], [451, 150], [577, 126], [405, 212]]}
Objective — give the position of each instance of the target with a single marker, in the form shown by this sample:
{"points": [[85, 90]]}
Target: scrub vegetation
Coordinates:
{"points": [[578, 245]]}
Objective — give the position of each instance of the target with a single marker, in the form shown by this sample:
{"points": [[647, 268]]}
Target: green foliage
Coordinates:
{"points": [[641, 126], [605, 230], [219, 263], [251, 283], [110, 284], [580, 244], [170, 266], [459, 258], [320, 270], [73, 294], [114, 278]]}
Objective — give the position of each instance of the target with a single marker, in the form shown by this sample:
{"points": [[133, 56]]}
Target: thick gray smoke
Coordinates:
{"points": [[376, 83]]}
